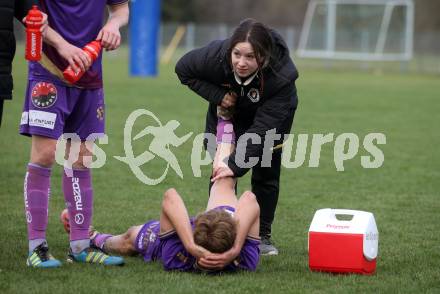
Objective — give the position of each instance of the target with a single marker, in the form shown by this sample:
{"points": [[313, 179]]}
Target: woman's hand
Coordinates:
{"points": [[229, 100], [221, 172]]}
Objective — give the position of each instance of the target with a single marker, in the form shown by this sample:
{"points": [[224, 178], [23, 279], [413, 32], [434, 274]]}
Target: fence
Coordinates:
{"points": [[426, 46]]}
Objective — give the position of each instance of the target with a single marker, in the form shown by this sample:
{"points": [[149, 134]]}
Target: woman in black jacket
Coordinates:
{"points": [[252, 74]]}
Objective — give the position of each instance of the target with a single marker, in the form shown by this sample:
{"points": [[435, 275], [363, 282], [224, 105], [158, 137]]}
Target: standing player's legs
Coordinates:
{"points": [[42, 118], [78, 196], [265, 185], [86, 121], [36, 197]]}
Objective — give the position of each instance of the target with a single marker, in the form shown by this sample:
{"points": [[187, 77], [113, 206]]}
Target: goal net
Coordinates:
{"points": [[366, 30]]}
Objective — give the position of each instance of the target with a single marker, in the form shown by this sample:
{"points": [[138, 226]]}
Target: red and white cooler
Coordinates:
{"points": [[343, 245]]}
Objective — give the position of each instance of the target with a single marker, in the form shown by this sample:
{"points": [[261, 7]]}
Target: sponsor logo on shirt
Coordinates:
{"points": [[43, 95], [42, 119]]}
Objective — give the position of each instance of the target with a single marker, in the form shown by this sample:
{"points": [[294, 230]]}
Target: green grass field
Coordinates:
{"points": [[403, 194]]}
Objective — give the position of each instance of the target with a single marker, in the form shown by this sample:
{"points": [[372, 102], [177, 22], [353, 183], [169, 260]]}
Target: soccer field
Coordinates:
{"points": [[403, 193]]}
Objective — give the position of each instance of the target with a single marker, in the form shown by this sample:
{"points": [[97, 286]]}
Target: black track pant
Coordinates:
{"points": [[266, 186]]}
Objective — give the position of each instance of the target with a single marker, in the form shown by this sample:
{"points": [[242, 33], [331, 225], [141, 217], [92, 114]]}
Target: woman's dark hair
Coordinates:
{"points": [[258, 35]]}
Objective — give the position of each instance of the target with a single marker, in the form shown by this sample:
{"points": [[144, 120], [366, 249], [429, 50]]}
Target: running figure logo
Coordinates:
{"points": [[163, 137]]}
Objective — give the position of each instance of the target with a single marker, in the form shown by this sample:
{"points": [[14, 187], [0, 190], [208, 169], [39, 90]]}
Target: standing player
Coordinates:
{"points": [[53, 107]]}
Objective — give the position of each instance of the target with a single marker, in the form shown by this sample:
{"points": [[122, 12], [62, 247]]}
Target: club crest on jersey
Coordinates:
{"points": [[254, 95], [43, 95]]}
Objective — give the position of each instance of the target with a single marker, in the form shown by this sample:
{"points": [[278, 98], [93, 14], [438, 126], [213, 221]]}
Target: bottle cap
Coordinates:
{"points": [[34, 17]]}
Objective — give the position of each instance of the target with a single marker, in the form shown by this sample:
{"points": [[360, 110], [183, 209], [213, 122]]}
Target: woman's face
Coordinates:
{"points": [[244, 61]]}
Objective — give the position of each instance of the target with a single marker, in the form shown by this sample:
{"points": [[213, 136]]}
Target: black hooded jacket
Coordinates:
{"points": [[268, 102], [8, 10]]}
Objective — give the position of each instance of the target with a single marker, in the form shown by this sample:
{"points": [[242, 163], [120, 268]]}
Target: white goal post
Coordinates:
{"points": [[365, 30]]}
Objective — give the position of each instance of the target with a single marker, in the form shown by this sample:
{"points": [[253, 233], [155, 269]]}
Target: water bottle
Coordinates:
{"points": [[34, 39], [93, 50]]}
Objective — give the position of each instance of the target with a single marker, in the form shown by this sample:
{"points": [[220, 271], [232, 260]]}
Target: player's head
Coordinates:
{"points": [[215, 230], [252, 40]]}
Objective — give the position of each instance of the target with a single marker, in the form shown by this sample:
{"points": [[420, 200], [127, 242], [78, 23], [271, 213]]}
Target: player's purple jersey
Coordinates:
{"points": [[78, 22], [169, 249], [147, 241]]}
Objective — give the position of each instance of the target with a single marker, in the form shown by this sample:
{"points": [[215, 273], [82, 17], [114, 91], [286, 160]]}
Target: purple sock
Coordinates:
{"points": [[100, 239], [36, 200], [78, 195], [225, 131]]}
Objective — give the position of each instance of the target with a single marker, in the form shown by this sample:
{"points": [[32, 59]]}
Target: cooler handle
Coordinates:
{"points": [[354, 213]]}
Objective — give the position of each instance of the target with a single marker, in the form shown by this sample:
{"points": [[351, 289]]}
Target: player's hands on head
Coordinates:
{"points": [[76, 57], [198, 251], [221, 172], [110, 36], [229, 100], [218, 260]]}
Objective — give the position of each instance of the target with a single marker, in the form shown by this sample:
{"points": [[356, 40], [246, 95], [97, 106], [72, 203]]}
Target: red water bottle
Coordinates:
{"points": [[34, 39], [92, 50]]}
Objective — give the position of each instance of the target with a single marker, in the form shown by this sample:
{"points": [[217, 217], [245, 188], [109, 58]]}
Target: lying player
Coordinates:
{"points": [[229, 226]]}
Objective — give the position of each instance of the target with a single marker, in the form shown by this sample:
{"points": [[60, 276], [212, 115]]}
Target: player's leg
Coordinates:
{"points": [[248, 208], [86, 118], [36, 193], [41, 119], [123, 244], [78, 195], [223, 191]]}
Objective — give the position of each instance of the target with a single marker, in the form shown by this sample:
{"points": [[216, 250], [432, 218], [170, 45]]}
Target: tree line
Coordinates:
{"points": [[272, 12]]}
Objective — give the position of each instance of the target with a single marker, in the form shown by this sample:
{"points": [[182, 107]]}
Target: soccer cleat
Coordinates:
{"points": [[95, 255], [41, 258], [267, 247]]}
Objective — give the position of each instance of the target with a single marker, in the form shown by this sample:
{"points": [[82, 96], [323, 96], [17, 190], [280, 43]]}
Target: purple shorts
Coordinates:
{"points": [[147, 241], [52, 109]]}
